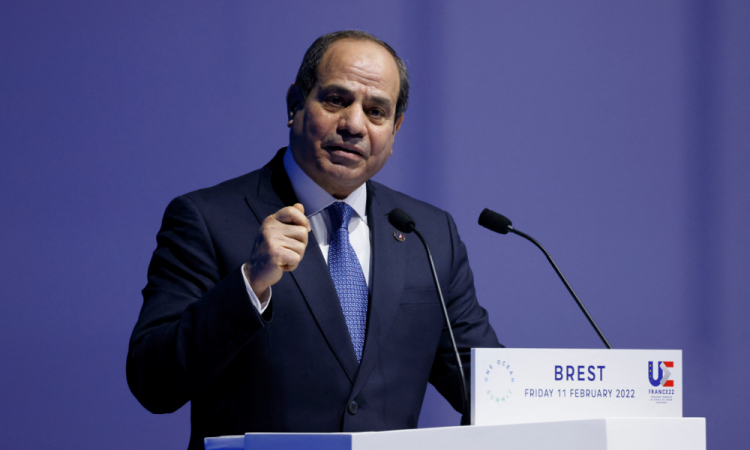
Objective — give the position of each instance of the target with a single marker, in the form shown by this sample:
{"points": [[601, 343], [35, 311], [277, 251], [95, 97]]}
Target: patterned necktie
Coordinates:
{"points": [[347, 275]]}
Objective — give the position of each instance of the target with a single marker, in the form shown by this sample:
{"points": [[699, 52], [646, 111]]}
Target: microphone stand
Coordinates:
{"points": [[464, 394], [565, 282]]}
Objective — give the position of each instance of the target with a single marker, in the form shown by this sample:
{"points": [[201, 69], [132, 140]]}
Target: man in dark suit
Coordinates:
{"points": [[283, 300]]}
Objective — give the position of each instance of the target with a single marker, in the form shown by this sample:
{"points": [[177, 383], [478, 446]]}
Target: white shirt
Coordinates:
{"points": [[315, 199]]}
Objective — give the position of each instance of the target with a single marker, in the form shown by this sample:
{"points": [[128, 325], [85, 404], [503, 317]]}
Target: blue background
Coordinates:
{"points": [[616, 133]]}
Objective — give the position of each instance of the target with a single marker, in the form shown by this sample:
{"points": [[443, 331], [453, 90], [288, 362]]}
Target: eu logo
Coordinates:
{"points": [[664, 373]]}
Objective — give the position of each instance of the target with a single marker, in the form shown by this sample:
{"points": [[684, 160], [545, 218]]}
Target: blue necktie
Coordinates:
{"points": [[347, 275]]}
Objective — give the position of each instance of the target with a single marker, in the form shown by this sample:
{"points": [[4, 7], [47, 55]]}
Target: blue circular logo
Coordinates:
{"points": [[498, 382]]}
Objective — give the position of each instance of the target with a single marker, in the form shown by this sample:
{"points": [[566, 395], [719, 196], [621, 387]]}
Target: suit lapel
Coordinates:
{"points": [[314, 280], [312, 275], [388, 277]]}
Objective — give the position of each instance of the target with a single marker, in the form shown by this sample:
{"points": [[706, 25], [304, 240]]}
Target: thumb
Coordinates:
{"points": [[301, 209]]}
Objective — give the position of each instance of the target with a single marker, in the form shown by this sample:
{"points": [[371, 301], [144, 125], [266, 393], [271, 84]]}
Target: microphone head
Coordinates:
{"points": [[401, 220], [494, 221]]}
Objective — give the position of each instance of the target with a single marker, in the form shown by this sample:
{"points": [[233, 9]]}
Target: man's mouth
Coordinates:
{"points": [[350, 150]]}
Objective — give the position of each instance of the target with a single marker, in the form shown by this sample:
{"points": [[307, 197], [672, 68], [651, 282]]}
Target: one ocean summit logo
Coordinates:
{"points": [[499, 379]]}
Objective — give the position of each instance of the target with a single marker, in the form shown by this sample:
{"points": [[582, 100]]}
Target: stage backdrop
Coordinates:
{"points": [[616, 133]]}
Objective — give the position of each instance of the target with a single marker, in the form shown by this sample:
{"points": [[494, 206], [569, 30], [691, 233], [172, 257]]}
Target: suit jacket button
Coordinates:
{"points": [[353, 407]]}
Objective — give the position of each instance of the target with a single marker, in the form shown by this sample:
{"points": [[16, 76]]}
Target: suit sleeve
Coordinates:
{"points": [[192, 322], [470, 323]]}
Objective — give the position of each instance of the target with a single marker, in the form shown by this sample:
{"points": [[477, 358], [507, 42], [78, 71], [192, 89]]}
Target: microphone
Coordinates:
{"points": [[404, 223], [500, 224], [495, 222], [401, 221]]}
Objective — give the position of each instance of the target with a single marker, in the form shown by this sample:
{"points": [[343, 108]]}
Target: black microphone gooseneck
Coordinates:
{"points": [[405, 224], [500, 224]]}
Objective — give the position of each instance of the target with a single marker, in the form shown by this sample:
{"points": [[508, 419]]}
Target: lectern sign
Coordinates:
{"points": [[541, 385]]}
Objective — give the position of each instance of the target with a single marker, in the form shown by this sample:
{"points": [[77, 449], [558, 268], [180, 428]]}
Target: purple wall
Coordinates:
{"points": [[615, 133]]}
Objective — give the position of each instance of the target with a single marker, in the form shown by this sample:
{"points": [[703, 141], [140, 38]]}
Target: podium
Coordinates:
{"points": [[539, 399], [593, 434]]}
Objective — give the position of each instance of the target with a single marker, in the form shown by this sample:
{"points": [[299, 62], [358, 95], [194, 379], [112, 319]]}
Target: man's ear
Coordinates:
{"points": [[397, 124], [294, 101]]}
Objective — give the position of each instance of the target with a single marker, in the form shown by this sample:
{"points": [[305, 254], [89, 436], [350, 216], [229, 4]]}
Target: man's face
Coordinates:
{"points": [[342, 134]]}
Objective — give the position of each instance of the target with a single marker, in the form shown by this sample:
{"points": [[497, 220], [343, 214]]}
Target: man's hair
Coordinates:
{"points": [[308, 70]]}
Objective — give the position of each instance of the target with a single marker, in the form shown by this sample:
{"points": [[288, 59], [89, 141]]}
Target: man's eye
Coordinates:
{"points": [[377, 113], [335, 100]]}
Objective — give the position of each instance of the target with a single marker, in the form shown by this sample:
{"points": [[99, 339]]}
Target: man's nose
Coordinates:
{"points": [[353, 120]]}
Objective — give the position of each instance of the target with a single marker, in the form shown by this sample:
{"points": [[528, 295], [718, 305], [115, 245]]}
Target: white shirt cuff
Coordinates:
{"points": [[260, 306]]}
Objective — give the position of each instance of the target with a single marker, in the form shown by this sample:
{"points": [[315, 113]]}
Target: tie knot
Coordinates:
{"points": [[340, 214]]}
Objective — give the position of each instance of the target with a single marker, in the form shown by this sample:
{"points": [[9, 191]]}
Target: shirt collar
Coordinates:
{"points": [[313, 197]]}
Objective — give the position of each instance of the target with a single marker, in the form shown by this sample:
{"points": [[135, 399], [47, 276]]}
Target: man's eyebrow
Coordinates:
{"points": [[335, 89], [378, 100], [383, 102]]}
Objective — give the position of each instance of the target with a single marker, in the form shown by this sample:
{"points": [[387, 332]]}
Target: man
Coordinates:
{"points": [[283, 300]]}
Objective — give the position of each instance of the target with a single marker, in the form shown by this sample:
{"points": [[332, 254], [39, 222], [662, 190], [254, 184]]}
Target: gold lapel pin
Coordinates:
{"points": [[399, 236]]}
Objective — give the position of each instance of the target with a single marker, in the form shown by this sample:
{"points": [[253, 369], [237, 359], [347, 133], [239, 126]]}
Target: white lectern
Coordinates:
{"points": [[539, 399], [594, 434]]}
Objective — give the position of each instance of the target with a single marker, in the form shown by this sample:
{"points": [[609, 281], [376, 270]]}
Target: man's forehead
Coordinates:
{"points": [[359, 61]]}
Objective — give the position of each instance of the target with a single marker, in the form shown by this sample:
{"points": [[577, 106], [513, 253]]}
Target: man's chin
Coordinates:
{"points": [[340, 181], [343, 169]]}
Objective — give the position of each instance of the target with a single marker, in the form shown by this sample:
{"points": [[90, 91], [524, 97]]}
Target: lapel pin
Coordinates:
{"points": [[399, 236]]}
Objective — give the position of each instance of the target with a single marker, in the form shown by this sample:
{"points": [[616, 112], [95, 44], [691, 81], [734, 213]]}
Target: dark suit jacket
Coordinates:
{"points": [[199, 339]]}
